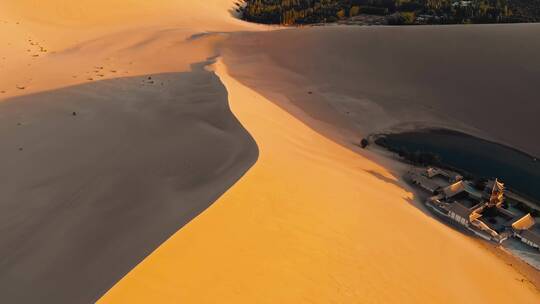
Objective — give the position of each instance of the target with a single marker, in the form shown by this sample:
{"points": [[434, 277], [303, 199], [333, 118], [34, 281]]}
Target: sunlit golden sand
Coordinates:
{"points": [[310, 222], [51, 44]]}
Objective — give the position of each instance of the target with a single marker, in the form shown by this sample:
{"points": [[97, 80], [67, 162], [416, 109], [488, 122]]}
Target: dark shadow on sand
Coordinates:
{"points": [[95, 177]]}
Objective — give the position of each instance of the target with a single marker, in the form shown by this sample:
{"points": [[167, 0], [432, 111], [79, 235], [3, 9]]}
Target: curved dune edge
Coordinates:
{"points": [[151, 141], [92, 194], [124, 37], [303, 225], [365, 80], [310, 222]]}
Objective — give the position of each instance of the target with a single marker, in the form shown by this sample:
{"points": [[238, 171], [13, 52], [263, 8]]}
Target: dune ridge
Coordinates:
{"points": [[374, 79], [311, 221], [314, 222], [100, 174], [113, 137]]}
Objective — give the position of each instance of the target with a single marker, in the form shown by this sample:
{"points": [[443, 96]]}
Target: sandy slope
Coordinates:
{"points": [[56, 43], [475, 78], [313, 222], [86, 197]]}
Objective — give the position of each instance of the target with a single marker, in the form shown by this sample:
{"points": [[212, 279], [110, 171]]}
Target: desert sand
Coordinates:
{"points": [[331, 226], [98, 175], [112, 139], [478, 79], [101, 39], [153, 143]]}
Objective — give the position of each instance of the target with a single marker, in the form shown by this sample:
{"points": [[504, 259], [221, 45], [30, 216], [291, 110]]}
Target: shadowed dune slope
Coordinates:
{"points": [[480, 79], [314, 222], [95, 177], [86, 197]]}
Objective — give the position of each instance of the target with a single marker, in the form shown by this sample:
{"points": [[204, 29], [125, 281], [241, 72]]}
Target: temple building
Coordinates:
{"points": [[527, 230], [496, 190], [460, 214], [480, 210]]}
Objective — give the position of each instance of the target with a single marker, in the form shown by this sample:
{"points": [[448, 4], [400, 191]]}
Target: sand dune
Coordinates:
{"points": [[313, 222], [96, 176], [113, 137], [365, 79], [100, 13], [130, 37]]}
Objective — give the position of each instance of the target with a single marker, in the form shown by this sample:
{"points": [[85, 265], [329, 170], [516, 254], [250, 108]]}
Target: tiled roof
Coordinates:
{"points": [[460, 210], [454, 189], [523, 223], [532, 236]]}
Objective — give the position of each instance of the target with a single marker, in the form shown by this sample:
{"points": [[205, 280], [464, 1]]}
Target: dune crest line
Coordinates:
{"points": [[113, 136], [307, 220], [103, 173]]}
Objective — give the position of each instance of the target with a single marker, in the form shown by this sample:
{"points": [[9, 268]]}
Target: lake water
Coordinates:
{"points": [[519, 171]]}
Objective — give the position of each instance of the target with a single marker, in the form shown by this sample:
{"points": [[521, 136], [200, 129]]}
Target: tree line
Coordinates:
{"points": [[290, 12]]}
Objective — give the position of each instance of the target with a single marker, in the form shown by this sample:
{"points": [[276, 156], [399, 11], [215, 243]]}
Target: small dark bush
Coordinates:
{"points": [[364, 143]]}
